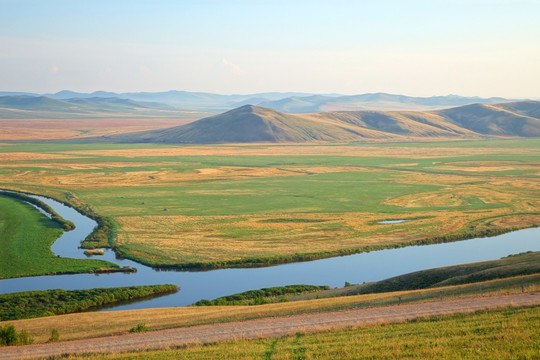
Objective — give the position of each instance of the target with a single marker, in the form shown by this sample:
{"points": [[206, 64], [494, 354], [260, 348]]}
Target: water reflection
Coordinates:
{"points": [[372, 266]]}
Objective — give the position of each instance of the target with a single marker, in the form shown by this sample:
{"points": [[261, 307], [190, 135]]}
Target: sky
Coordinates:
{"points": [[417, 48]]}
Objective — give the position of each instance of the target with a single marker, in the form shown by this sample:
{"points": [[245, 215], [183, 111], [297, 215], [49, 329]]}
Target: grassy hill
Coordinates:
{"points": [[249, 123], [25, 106], [378, 101], [513, 119]]}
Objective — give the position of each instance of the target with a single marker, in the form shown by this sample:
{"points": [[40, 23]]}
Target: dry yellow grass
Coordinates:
{"points": [[484, 195], [199, 238], [304, 150], [17, 156], [93, 324], [136, 178], [55, 129]]}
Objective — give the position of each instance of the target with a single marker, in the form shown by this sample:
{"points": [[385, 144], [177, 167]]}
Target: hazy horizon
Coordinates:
{"points": [[415, 48]]}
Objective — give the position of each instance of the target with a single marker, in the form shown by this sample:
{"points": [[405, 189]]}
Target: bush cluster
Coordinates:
{"points": [[259, 297], [9, 336], [31, 304]]}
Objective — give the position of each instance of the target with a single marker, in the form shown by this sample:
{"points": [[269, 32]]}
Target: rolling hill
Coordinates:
{"points": [[250, 124], [289, 102], [26, 106], [376, 101], [243, 125]]}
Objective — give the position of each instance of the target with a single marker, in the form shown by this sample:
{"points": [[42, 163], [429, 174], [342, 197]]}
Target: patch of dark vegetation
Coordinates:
{"points": [[9, 336], [108, 270], [92, 252], [262, 296], [32, 304], [65, 224], [140, 327], [292, 220]]}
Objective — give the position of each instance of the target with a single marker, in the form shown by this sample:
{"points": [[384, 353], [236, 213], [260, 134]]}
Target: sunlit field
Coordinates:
{"points": [[224, 205]]}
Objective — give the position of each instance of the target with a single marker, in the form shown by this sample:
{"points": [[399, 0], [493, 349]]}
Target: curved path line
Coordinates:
{"points": [[267, 327]]}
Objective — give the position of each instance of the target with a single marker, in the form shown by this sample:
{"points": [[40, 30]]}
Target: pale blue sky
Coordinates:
{"points": [[419, 48]]}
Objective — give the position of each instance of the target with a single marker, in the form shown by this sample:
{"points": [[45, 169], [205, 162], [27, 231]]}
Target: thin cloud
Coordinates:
{"points": [[54, 69], [235, 69]]}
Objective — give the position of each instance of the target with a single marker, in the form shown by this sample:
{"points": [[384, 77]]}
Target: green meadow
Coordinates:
{"points": [[241, 205], [26, 237]]}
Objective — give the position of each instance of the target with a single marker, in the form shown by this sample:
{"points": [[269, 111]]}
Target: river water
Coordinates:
{"points": [[194, 286]]}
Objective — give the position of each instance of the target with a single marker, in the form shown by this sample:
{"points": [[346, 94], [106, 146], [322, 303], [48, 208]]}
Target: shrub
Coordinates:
{"points": [[8, 335], [141, 327], [55, 336]]}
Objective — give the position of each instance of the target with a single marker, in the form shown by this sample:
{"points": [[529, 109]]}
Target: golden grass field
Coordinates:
{"points": [[54, 129], [93, 324], [182, 204]]}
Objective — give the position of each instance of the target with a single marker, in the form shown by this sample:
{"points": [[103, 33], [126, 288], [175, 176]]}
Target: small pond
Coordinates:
{"points": [[372, 266]]}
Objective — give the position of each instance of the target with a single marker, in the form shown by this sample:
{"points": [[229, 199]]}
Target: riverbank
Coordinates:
{"points": [[273, 327], [26, 239], [257, 262], [211, 207], [33, 304]]}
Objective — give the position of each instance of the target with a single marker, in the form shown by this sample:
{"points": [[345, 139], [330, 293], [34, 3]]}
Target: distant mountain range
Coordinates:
{"points": [[27, 106], [289, 102], [248, 124]]}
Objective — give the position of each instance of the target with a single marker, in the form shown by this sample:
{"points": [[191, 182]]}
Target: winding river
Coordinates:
{"points": [[372, 266]]}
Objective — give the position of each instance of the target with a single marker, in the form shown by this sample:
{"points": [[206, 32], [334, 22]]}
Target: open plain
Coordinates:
{"points": [[241, 205]]}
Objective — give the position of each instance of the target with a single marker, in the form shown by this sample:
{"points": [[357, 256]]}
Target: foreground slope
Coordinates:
{"points": [[277, 327], [249, 124]]}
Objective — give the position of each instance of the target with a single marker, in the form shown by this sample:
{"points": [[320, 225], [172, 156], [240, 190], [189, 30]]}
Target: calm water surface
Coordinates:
{"points": [[372, 266]]}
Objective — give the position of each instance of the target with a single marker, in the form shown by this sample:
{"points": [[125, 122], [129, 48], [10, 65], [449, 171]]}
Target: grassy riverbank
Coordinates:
{"points": [[262, 296], [204, 207], [478, 272], [498, 334], [32, 304], [83, 325], [26, 237]]}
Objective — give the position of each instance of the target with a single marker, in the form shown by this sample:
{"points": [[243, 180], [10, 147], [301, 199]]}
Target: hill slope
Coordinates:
{"points": [[511, 119], [246, 124], [26, 106], [377, 101], [289, 102], [258, 124]]}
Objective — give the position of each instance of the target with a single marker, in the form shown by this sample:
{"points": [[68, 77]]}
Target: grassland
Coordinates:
{"points": [[26, 237], [55, 129], [245, 205], [85, 325], [499, 334]]}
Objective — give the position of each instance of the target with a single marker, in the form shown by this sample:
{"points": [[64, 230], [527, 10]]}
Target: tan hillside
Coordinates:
{"points": [[249, 123]]}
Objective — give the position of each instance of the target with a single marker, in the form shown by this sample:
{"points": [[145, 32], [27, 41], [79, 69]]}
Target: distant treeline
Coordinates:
{"points": [[258, 297], [32, 304], [66, 224]]}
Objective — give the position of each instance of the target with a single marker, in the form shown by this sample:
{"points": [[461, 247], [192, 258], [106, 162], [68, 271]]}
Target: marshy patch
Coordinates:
{"points": [[292, 220], [398, 221]]}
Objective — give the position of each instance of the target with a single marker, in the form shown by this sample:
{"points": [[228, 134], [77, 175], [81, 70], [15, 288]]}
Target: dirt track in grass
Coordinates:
{"points": [[268, 327]]}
